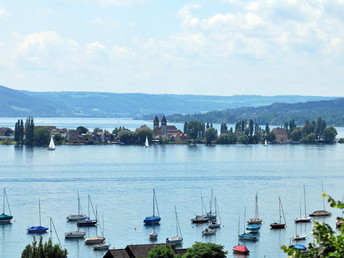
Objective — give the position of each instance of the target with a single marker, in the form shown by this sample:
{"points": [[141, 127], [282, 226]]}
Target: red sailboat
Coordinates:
{"points": [[240, 249]]}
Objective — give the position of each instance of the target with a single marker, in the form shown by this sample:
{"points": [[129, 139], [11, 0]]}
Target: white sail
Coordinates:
{"points": [[146, 143], [51, 144]]}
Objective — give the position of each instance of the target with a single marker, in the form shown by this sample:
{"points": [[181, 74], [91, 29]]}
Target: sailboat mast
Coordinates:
{"points": [[244, 218], [153, 202], [39, 210], [3, 203], [279, 209], [322, 187], [239, 230], [256, 211], [304, 199], [211, 202], [202, 204]]}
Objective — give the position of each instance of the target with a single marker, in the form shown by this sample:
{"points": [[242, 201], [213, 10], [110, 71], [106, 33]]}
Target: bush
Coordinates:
{"points": [[43, 250]]}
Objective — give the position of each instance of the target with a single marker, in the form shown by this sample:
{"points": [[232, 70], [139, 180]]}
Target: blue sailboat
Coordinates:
{"points": [[247, 236], [253, 228], [151, 220], [37, 229]]}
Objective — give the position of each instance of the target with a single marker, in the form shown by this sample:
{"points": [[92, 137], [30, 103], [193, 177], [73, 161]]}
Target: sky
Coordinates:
{"points": [[210, 47]]}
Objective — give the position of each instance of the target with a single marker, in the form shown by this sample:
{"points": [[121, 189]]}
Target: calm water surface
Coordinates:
{"points": [[120, 179]]}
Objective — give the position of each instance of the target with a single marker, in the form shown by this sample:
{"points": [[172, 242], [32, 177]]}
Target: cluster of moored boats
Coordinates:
{"points": [[211, 218]]}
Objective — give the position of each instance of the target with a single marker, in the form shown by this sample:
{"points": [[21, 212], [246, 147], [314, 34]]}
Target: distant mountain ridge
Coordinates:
{"points": [[332, 111], [16, 103]]}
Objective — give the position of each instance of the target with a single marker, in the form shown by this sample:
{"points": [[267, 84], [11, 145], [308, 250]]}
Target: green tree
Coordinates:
{"points": [[42, 135], [296, 134], [210, 135], [58, 138], [126, 136], [330, 134], [270, 137], [46, 250], [97, 130], [81, 130], [194, 129], [223, 128], [161, 252], [185, 127], [29, 131], [244, 139], [309, 139], [142, 133], [205, 250], [223, 138], [327, 242]]}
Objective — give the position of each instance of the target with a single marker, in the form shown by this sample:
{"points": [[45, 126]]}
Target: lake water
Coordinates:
{"points": [[120, 180]]}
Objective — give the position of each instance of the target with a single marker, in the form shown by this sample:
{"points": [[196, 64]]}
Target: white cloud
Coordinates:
{"points": [[4, 13]]}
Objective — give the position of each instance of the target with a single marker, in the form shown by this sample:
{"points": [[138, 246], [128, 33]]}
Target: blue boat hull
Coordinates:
{"points": [[37, 229], [152, 220]]}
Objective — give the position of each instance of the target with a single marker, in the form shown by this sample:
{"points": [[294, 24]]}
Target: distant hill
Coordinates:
{"points": [[97, 104], [332, 111]]}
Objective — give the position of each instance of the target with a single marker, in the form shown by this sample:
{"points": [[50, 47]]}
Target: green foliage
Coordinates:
{"points": [[42, 135], [244, 139], [97, 130], [210, 135], [81, 130], [327, 242], [127, 136], [162, 252], [271, 137], [46, 250], [296, 134], [19, 132], [309, 139], [142, 133], [29, 131], [341, 140], [58, 138], [205, 250], [330, 134], [195, 130]]}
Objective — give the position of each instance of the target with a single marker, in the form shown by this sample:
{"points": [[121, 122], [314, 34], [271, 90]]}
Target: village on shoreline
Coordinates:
{"points": [[244, 132]]}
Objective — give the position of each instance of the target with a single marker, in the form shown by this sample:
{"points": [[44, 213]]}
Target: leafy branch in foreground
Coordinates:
{"points": [[327, 242]]}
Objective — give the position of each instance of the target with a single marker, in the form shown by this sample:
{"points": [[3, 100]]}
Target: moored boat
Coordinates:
{"points": [[199, 219], [256, 219], [5, 218], [178, 239], [101, 247], [303, 219], [323, 212], [253, 228], [240, 249], [94, 240], [37, 229], [154, 219], [280, 224], [208, 231], [75, 234], [87, 222]]}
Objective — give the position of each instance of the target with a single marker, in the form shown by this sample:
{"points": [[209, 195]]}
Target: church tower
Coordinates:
{"points": [[163, 125], [156, 123]]}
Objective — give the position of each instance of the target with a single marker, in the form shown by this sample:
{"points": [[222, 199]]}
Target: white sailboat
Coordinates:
{"points": [[303, 219], [51, 144], [177, 240], [96, 239], [215, 223], [77, 233], [146, 143], [297, 236], [103, 246]]}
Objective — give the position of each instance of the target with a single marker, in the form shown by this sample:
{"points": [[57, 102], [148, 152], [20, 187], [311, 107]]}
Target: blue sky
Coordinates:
{"points": [[214, 47]]}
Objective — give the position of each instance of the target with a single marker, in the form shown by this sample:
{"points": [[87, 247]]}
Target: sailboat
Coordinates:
{"points": [[256, 219], [304, 219], [146, 142], [37, 229], [321, 213], [298, 237], [247, 236], [240, 249], [4, 218], [200, 218], [51, 144], [279, 225], [215, 223], [266, 143], [177, 240], [77, 233], [103, 246], [87, 222], [96, 239], [211, 215], [72, 218], [150, 220]]}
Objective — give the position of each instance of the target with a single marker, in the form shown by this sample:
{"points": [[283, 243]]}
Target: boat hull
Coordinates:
{"points": [[277, 226], [75, 218], [174, 240], [248, 237], [87, 223], [75, 234], [255, 221], [320, 213], [5, 218], [152, 220], [303, 220], [240, 249], [37, 230], [101, 247], [94, 240]]}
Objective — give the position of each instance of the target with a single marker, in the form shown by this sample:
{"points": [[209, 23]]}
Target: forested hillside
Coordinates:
{"points": [[276, 114]]}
